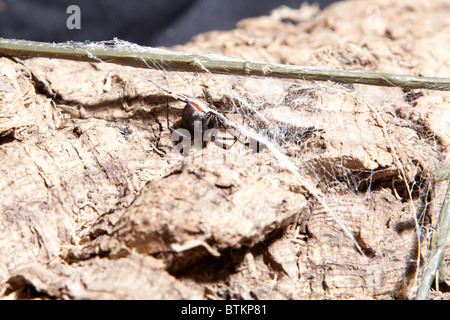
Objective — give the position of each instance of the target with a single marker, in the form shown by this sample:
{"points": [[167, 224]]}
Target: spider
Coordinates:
{"points": [[195, 119]]}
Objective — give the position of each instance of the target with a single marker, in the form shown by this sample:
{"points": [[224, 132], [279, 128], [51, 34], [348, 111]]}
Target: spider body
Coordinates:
{"points": [[193, 115], [196, 120]]}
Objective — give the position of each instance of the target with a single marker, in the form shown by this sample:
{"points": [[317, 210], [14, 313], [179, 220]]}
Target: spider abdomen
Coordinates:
{"points": [[193, 118]]}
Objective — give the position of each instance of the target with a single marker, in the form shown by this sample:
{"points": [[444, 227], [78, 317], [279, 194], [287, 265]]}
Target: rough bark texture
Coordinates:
{"points": [[92, 206]]}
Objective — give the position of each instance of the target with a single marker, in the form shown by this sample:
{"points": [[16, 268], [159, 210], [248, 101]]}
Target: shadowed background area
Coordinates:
{"points": [[154, 23]]}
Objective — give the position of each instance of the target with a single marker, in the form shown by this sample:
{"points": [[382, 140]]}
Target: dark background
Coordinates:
{"points": [[145, 22]]}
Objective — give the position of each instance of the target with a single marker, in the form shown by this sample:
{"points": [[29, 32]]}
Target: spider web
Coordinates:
{"points": [[335, 139]]}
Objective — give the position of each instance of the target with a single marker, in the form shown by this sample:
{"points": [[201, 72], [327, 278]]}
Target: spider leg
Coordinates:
{"points": [[208, 120], [227, 128], [179, 133], [167, 113], [211, 127], [219, 141]]}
